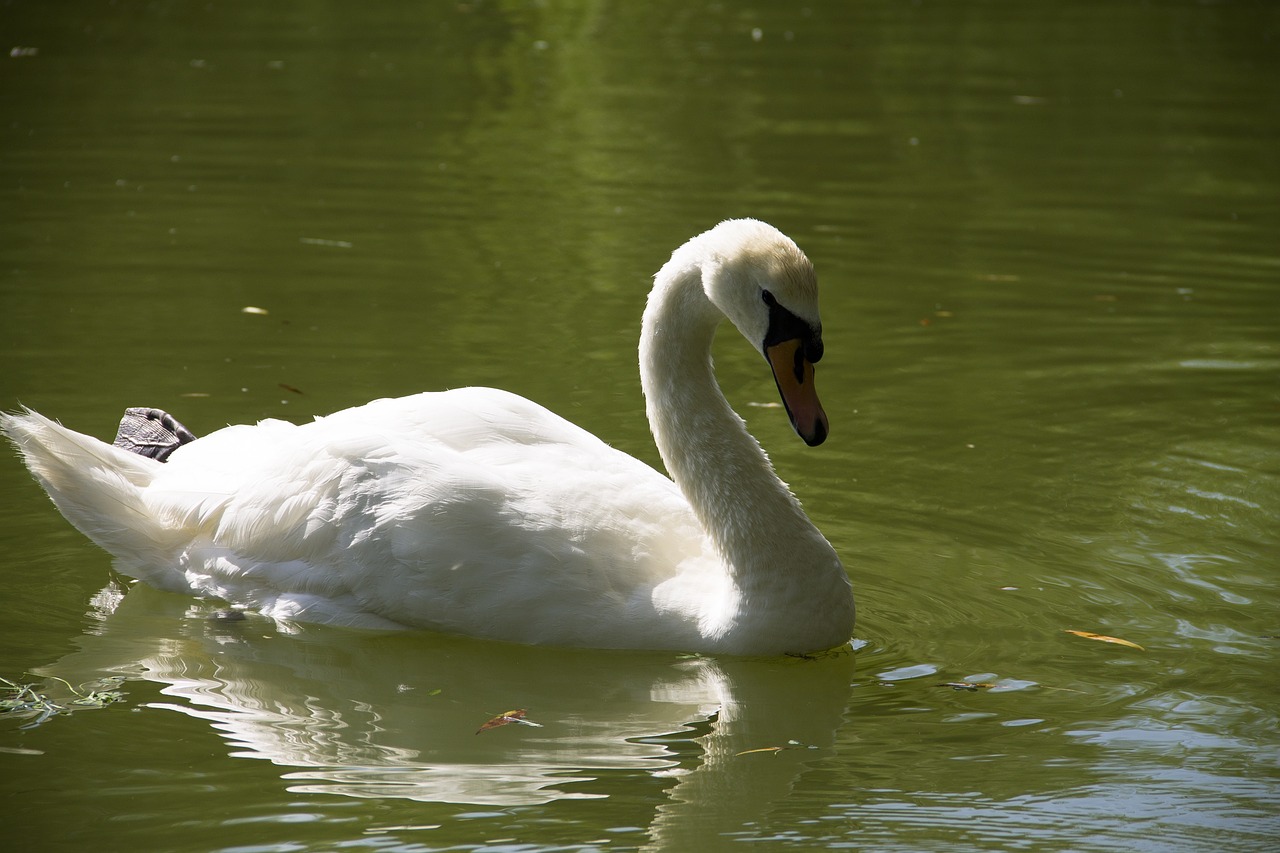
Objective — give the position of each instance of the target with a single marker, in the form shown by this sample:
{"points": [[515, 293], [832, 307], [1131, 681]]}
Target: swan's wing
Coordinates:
{"points": [[472, 510]]}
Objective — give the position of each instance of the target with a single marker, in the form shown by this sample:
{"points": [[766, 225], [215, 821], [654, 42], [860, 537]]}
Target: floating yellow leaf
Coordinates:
{"points": [[1102, 638], [791, 744], [508, 717]]}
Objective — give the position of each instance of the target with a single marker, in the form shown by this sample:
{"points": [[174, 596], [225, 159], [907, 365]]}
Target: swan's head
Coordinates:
{"points": [[766, 286]]}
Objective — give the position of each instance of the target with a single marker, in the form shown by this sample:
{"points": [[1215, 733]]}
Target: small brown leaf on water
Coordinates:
{"points": [[1102, 638], [506, 718], [967, 685]]}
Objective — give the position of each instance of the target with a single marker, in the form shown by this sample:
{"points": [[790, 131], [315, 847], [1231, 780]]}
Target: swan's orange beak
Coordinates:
{"points": [[794, 375]]}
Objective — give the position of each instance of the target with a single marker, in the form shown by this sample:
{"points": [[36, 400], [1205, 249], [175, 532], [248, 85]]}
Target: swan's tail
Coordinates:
{"points": [[99, 488]]}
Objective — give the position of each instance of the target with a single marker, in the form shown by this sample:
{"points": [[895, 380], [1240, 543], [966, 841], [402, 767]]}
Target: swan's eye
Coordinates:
{"points": [[768, 298]]}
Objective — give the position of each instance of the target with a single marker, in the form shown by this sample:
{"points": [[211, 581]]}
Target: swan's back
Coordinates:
{"points": [[471, 510]]}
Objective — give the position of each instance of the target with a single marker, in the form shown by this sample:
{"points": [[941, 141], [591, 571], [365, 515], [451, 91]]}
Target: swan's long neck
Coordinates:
{"points": [[768, 544]]}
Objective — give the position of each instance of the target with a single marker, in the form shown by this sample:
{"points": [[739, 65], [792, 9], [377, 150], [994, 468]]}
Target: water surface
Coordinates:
{"points": [[1047, 240]]}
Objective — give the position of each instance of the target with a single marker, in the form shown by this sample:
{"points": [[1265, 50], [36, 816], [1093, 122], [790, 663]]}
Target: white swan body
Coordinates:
{"points": [[477, 512]]}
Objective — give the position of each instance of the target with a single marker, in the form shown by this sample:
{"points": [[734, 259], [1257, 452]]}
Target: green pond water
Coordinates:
{"points": [[1048, 239]]}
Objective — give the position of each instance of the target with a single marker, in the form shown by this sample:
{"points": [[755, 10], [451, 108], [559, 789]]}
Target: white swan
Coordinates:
{"points": [[477, 512]]}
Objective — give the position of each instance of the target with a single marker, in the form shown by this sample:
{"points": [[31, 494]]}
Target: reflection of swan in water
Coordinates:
{"points": [[395, 715], [479, 513]]}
